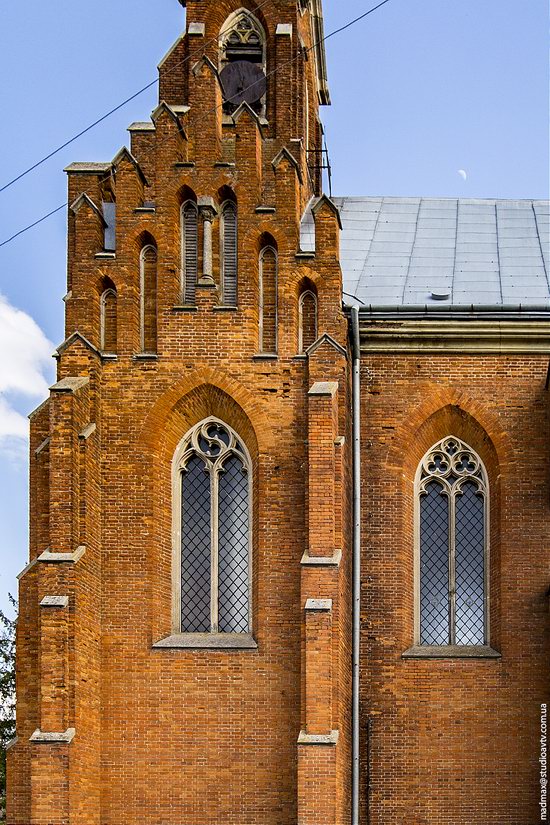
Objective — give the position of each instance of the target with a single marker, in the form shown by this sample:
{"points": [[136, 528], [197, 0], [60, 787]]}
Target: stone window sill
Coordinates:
{"points": [[208, 641], [451, 652]]}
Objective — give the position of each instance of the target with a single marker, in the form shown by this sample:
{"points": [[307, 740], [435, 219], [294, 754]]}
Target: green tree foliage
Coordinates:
{"points": [[7, 696]]}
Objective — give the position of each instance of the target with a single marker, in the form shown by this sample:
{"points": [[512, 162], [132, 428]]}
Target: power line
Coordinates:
{"points": [[30, 226], [270, 74], [108, 114]]}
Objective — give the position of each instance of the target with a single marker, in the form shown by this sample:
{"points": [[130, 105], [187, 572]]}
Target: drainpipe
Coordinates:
{"points": [[356, 632]]}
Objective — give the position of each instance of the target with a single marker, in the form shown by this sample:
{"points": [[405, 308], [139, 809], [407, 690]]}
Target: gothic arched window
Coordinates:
{"points": [[148, 290], [189, 251], [268, 300], [212, 530], [243, 40], [229, 253], [307, 309], [452, 515]]}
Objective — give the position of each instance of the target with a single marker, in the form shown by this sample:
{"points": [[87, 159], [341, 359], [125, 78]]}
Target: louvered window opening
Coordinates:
{"points": [[149, 299], [215, 486], [189, 252], [308, 320], [229, 254], [108, 336], [453, 518], [268, 301]]}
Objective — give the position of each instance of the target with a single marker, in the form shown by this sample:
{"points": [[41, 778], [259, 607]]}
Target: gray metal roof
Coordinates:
{"points": [[398, 252]]}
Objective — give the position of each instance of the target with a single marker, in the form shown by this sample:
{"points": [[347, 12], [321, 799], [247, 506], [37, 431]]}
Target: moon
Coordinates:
{"points": [[463, 174]]}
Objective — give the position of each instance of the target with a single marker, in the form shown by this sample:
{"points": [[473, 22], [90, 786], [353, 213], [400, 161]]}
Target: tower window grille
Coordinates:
{"points": [[452, 514], [148, 284], [189, 251], [268, 300], [229, 253], [212, 520]]}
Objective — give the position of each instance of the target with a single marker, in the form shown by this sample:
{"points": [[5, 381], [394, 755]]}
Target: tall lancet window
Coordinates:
{"points": [[229, 253], [212, 528], [268, 300], [189, 251], [307, 319], [108, 318], [452, 504], [148, 288]]}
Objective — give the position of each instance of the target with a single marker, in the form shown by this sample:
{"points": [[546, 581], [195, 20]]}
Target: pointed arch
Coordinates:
{"points": [[189, 233], [307, 316], [452, 502], [242, 38], [228, 247], [148, 261], [268, 315], [108, 316], [212, 530]]}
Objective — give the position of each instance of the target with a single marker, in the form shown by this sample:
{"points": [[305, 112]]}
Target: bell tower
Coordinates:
{"points": [[268, 56], [184, 628]]}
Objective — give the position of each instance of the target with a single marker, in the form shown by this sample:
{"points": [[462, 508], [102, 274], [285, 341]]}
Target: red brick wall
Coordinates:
{"points": [[455, 741]]}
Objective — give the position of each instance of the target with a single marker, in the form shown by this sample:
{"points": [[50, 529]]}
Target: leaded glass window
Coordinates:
{"points": [[213, 530], [452, 531]]}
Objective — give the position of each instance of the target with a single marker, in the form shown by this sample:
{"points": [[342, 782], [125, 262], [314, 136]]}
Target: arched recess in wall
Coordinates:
{"points": [[448, 532], [268, 274], [307, 315], [148, 267], [189, 234], [108, 306], [174, 418], [228, 246]]}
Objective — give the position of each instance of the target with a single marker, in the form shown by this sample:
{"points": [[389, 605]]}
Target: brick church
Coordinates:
{"points": [[290, 496]]}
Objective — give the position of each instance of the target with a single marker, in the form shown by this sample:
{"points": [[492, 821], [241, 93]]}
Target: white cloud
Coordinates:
{"points": [[463, 174], [25, 356]]}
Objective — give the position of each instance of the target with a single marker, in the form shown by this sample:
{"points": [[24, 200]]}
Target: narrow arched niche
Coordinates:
{"points": [[148, 291], [108, 316], [308, 312]]}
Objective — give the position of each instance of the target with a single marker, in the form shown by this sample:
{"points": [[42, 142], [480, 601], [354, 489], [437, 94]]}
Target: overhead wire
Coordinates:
{"points": [[278, 68]]}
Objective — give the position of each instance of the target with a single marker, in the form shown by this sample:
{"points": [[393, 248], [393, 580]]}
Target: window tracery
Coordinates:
{"points": [[212, 515], [452, 501]]}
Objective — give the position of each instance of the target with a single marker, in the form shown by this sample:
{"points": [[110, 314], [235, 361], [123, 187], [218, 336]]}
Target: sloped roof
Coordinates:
{"points": [[399, 252]]}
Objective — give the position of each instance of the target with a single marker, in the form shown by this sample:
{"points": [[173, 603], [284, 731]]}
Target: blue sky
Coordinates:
{"points": [[421, 89]]}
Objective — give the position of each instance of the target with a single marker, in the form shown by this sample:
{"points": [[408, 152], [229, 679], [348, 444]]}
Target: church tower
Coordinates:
{"points": [[184, 632]]}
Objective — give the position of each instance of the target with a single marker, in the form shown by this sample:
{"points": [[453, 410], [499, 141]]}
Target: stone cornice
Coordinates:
{"points": [[427, 336]]}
